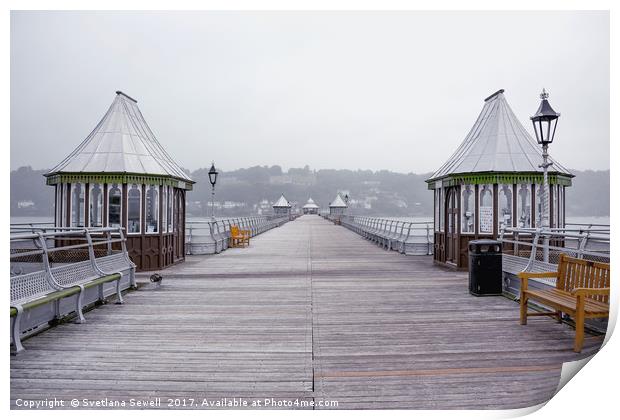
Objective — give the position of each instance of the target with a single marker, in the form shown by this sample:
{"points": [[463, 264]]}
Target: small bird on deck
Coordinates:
{"points": [[156, 279]]}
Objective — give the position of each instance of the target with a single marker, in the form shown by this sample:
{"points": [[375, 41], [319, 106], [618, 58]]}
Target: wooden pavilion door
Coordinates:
{"points": [[452, 238]]}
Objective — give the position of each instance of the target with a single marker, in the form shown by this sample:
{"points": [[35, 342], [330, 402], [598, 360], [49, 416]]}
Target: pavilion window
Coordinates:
{"points": [[440, 209], [504, 216], [539, 204], [485, 212], [152, 209], [164, 210], [134, 195], [170, 196], [95, 204], [77, 205], [468, 209], [59, 200], [524, 205], [114, 205], [64, 210], [556, 206], [560, 206], [437, 205]]}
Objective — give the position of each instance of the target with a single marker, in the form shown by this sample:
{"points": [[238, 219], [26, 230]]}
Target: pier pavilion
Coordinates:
{"points": [[493, 179], [120, 175], [282, 207], [337, 207], [310, 207]]}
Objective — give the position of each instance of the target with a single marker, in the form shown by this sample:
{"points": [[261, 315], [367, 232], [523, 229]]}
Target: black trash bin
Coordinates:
{"points": [[485, 267]]}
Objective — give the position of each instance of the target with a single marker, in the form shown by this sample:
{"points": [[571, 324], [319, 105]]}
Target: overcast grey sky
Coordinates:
{"points": [[369, 90]]}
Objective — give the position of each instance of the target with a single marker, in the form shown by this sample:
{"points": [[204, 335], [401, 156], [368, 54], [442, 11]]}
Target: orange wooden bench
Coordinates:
{"points": [[239, 237], [581, 291]]}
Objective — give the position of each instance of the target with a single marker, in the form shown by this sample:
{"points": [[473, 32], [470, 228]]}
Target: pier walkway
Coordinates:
{"points": [[309, 312]]}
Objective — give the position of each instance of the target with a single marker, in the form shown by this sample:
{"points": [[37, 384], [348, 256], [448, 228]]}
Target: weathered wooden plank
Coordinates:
{"points": [[309, 311]]}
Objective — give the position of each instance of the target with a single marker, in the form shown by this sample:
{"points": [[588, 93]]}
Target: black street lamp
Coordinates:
{"points": [[545, 122], [213, 179]]}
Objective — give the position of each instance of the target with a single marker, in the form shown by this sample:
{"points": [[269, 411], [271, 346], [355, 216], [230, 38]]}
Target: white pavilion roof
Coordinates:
{"points": [[338, 202], [282, 202], [122, 142], [496, 143], [310, 204]]}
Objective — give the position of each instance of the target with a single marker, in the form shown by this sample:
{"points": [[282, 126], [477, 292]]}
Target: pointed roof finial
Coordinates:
{"points": [[544, 95]]}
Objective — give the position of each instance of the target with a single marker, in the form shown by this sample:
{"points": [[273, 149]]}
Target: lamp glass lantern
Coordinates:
{"points": [[545, 121], [213, 174]]}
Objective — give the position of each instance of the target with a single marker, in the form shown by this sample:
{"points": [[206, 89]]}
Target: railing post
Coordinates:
{"points": [[189, 239], [583, 241], [535, 240], [46, 263], [546, 247], [429, 242]]}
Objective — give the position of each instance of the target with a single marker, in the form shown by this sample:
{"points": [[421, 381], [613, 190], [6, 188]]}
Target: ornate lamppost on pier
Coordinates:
{"points": [[213, 179], [545, 122]]}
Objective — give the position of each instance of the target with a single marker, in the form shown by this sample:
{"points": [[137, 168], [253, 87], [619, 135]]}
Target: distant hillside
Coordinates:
{"points": [[373, 193]]}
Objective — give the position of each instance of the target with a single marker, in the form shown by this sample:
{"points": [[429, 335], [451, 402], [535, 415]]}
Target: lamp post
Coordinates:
{"points": [[213, 179], [346, 201], [545, 122]]}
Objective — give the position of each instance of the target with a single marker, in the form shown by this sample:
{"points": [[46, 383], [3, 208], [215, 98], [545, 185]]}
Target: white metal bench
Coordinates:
{"points": [[32, 292]]}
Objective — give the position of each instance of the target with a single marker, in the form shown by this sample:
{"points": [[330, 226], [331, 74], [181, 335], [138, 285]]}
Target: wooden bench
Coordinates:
{"points": [[581, 291], [239, 237]]}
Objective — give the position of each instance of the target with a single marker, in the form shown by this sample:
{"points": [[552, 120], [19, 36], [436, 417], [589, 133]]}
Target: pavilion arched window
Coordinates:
{"points": [[539, 204], [560, 206], [170, 197], [485, 212], [504, 215], [468, 209], [152, 209], [555, 220], [164, 210], [77, 205], [524, 205], [134, 195], [115, 205], [439, 209], [59, 205], [95, 204]]}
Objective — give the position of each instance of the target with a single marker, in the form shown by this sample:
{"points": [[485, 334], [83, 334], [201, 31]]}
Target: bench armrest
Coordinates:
{"points": [[589, 291], [525, 276]]}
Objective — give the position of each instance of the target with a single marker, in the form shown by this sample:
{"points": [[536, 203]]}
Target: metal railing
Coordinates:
{"points": [[538, 250], [212, 236], [40, 248], [406, 237]]}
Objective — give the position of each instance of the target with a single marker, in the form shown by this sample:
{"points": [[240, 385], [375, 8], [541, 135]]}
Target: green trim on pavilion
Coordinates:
{"points": [[500, 178], [118, 178]]}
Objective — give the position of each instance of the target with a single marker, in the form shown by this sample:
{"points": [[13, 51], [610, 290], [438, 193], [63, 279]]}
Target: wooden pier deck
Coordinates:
{"points": [[309, 312]]}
